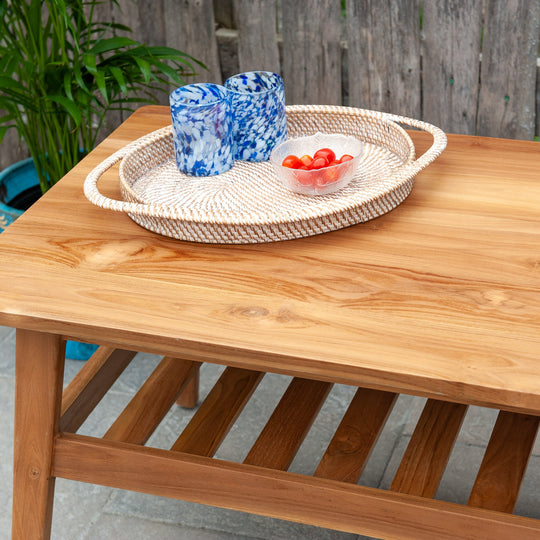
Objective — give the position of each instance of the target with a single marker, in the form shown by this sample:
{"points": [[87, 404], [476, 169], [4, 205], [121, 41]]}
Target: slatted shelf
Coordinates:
{"points": [[427, 454], [152, 402], [218, 412], [340, 467]]}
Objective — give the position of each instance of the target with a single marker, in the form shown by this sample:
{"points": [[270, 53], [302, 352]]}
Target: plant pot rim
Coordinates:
{"points": [[12, 168]]}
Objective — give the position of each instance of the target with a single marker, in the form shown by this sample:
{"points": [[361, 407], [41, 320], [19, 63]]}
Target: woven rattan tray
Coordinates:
{"points": [[248, 204]]}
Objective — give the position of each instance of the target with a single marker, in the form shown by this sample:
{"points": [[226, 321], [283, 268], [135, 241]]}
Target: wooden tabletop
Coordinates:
{"points": [[440, 297]]}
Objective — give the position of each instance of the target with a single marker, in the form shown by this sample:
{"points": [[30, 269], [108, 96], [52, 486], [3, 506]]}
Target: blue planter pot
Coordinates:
{"points": [[19, 189]]}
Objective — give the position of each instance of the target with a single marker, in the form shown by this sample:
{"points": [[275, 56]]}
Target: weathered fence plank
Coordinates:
{"points": [[384, 55], [506, 105], [257, 38], [189, 27], [311, 51], [494, 91], [11, 150], [451, 53]]}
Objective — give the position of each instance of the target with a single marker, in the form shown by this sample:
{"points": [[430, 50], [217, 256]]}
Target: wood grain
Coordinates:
{"points": [[152, 402], [289, 424], [384, 56], [354, 440], [325, 503], [451, 64], [90, 384], [257, 38], [311, 67], [505, 461], [39, 371], [441, 293], [218, 412], [507, 97], [428, 451]]}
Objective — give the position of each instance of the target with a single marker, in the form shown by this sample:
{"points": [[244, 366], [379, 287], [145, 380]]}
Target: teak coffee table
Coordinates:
{"points": [[439, 298]]}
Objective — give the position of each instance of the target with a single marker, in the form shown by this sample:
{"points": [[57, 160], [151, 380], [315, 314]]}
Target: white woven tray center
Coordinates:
{"points": [[252, 190]]}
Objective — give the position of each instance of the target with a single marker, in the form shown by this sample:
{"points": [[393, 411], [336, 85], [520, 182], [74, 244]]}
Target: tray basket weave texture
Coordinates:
{"points": [[248, 204]]}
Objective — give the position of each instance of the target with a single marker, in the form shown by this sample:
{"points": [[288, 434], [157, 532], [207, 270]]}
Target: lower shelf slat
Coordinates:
{"points": [[91, 383], [426, 457], [359, 430], [152, 402], [505, 461], [284, 432], [218, 412]]}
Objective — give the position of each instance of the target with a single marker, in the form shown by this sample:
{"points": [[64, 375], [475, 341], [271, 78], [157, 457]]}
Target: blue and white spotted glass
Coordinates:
{"points": [[202, 129], [259, 121]]}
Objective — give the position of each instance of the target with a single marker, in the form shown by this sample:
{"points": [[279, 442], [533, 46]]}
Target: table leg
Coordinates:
{"points": [[39, 371], [190, 394]]}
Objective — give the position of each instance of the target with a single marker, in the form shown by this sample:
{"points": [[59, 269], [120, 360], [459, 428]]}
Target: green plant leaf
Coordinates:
{"points": [[3, 131], [117, 74], [79, 77], [111, 44], [67, 85], [100, 81], [71, 108], [145, 68], [89, 61]]}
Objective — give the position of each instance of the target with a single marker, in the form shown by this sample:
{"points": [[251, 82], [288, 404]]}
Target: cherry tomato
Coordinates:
{"points": [[306, 160], [293, 162], [319, 162], [345, 157], [304, 178], [325, 153], [335, 162]]}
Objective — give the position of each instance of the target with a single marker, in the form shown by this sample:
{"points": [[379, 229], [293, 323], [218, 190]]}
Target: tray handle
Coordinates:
{"points": [[93, 194], [433, 152]]}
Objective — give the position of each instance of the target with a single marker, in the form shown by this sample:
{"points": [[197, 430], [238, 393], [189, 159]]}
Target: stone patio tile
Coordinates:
{"points": [[460, 474], [76, 506], [528, 503], [7, 399], [7, 351], [197, 516], [477, 425], [6, 332], [404, 414], [136, 373], [131, 528]]}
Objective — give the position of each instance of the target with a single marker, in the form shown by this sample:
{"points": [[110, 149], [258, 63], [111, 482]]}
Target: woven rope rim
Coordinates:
{"points": [[328, 207]]}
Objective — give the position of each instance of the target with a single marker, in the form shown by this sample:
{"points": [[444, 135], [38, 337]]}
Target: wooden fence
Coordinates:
{"points": [[468, 66]]}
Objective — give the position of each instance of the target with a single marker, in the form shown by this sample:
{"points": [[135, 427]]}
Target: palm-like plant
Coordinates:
{"points": [[61, 72]]}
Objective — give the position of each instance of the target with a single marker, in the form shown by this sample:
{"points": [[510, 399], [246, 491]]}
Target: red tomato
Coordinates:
{"points": [[319, 162], [306, 160], [325, 153], [292, 162], [335, 162], [304, 178], [345, 157]]}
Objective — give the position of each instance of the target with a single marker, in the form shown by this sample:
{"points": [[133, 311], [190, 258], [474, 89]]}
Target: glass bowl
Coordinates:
{"points": [[317, 181]]}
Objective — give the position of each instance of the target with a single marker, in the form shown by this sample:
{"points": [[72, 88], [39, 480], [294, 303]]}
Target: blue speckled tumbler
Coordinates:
{"points": [[202, 129], [259, 121]]}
